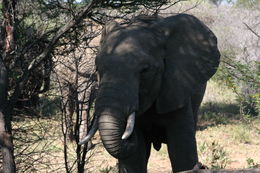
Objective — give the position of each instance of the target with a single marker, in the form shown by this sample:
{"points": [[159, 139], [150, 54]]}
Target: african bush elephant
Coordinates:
{"points": [[153, 73]]}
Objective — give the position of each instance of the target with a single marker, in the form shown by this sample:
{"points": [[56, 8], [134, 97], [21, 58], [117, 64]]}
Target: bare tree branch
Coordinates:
{"points": [[254, 32], [46, 52], [73, 21]]}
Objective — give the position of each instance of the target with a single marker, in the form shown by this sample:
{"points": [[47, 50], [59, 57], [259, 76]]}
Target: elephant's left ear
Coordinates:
{"points": [[192, 57]]}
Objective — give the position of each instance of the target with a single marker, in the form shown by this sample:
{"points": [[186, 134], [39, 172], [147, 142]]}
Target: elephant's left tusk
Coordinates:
{"points": [[91, 133], [129, 126]]}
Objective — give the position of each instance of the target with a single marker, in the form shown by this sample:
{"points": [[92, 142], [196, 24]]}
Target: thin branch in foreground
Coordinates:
{"points": [[254, 32]]}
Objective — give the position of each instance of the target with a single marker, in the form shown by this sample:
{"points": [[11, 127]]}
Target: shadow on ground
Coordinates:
{"points": [[212, 114]]}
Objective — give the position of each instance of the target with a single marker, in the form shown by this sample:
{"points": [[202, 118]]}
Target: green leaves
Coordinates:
{"points": [[242, 77]]}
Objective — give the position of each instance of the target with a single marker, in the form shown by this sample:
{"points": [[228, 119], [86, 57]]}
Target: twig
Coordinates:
{"points": [[248, 27]]}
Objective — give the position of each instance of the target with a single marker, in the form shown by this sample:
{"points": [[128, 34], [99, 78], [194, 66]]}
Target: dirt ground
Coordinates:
{"points": [[237, 155], [158, 163]]}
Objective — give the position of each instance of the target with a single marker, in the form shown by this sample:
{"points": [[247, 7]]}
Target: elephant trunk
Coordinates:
{"points": [[112, 130], [115, 123]]}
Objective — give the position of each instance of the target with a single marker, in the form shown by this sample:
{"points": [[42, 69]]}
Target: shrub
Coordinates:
{"points": [[242, 76], [213, 155], [251, 163]]}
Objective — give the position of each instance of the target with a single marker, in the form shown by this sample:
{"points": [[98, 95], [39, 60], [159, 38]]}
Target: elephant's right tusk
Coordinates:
{"points": [[129, 126], [91, 133]]}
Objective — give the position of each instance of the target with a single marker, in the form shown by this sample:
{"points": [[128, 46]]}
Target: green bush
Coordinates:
{"points": [[213, 155], [251, 163], [243, 77]]}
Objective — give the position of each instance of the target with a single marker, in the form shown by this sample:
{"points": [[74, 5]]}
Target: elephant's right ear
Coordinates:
{"points": [[191, 58]]}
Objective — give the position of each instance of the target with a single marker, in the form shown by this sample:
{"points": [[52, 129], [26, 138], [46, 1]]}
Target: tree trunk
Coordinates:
{"points": [[6, 147], [6, 144]]}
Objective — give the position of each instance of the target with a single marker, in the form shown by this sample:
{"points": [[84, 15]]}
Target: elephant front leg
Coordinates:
{"points": [[181, 140], [137, 161]]}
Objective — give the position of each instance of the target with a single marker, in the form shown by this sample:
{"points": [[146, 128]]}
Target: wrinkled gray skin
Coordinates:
{"points": [[157, 68]]}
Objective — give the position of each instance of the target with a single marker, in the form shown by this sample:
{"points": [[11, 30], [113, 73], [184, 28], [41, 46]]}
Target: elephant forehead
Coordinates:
{"points": [[125, 45], [123, 50], [126, 41]]}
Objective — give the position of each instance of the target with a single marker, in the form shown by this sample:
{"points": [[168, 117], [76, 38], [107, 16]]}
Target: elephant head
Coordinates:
{"points": [[151, 61]]}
